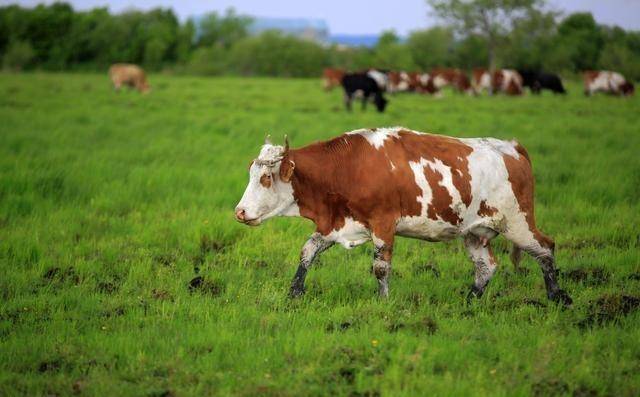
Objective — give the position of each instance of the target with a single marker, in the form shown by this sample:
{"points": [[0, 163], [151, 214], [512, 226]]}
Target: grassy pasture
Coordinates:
{"points": [[111, 204]]}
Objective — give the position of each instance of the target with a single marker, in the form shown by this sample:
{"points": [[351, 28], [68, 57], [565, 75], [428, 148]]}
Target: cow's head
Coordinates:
{"points": [[269, 192], [381, 103], [627, 88]]}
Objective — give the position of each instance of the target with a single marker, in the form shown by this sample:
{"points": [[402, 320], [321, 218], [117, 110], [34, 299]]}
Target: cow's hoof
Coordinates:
{"points": [[296, 292], [561, 297], [474, 293]]}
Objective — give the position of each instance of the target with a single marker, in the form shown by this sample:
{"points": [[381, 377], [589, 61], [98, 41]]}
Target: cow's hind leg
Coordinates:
{"points": [[383, 250], [314, 246], [479, 251], [541, 248]]}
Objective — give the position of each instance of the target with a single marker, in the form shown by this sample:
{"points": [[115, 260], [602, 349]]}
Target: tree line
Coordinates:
{"points": [[478, 33]]}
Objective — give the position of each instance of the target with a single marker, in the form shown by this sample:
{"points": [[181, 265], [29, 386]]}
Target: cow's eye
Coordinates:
{"points": [[265, 180]]}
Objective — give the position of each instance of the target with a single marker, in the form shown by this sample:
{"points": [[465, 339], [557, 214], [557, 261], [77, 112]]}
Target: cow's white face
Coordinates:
{"points": [[269, 192]]}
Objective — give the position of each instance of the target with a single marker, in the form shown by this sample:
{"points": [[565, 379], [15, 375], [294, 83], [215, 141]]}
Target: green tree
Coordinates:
{"points": [[18, 55], [489, 19], [582, 38], [223, 30], [432, 47], [275, 54], [389, 53]]}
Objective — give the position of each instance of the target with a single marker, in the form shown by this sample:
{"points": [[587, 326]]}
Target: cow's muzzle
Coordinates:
{"points": [[241, 216]]}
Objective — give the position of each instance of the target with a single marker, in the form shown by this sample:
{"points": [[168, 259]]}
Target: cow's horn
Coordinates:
{"points": [[267, 140], [286, 143]]}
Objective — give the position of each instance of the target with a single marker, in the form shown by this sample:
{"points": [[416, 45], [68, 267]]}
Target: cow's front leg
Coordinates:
{"points": [[382, 253], [314, 246], [347, 101]]}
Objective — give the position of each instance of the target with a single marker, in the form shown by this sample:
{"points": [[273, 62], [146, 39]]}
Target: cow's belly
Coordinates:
{"points": [[351, 234], [425, 228]]}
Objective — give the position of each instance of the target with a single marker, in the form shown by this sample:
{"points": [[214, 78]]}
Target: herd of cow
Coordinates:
{"points": [[371, 84]]}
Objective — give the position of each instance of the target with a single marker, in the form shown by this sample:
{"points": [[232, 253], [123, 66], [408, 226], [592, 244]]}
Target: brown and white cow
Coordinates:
{"points": [[375, 184], [455, 78], [129, 75], [332, 77], [605, 81], [506, 81]]}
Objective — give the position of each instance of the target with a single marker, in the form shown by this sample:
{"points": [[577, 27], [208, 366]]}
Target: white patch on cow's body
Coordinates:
{"points": [[606, 81], [440, 82], [352, 234], [484, 82], [422, 226], [509, 77], [379, 77], [490, 183], [376, 137], [505, 147]]}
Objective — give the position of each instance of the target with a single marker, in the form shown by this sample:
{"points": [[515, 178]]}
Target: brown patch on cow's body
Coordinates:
{"points": [[357, 180], [440, 205], [589, 77], [522, 183], [486, 210], [455, 78]]}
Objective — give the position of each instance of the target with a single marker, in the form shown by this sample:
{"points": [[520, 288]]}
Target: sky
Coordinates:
{"points": [[354, 16]]}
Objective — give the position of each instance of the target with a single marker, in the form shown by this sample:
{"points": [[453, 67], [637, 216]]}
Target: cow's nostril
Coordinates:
{"points": [[240, 214]]}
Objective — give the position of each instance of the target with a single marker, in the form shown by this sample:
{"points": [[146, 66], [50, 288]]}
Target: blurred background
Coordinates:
{"points": [[298, 39]]}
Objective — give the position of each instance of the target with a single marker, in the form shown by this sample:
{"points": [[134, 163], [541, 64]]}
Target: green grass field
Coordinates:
{"points": [[111, 203]]}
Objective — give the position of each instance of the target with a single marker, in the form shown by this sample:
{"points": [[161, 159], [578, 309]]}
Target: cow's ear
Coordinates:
{"points": [[286, 170]]}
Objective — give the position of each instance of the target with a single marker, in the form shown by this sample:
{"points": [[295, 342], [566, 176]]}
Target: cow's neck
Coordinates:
{"points": [[312, 181]]}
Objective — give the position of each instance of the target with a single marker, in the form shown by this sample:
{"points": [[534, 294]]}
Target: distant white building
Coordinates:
{"points": [[309, 29]]}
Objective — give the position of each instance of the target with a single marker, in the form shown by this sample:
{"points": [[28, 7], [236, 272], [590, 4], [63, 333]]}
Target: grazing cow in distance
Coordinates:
{"points": [[332, 77], [455, 78], [129, 75], [375, 184], [365, 85], [399, 82], [606, 81], [481, 80], [424, 83], [506, 81], [537, 81]]}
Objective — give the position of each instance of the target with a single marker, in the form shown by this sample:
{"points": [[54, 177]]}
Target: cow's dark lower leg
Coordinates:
{"points": [[314, 246], [479, 252], [382, 266], [546, 260], [347, 102]]}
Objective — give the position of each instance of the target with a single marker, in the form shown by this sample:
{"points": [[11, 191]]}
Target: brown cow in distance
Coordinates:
{"points": [[506, 81], [455, 78], [608, 82], [129, 75], [332, 77], [375, 184]]}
